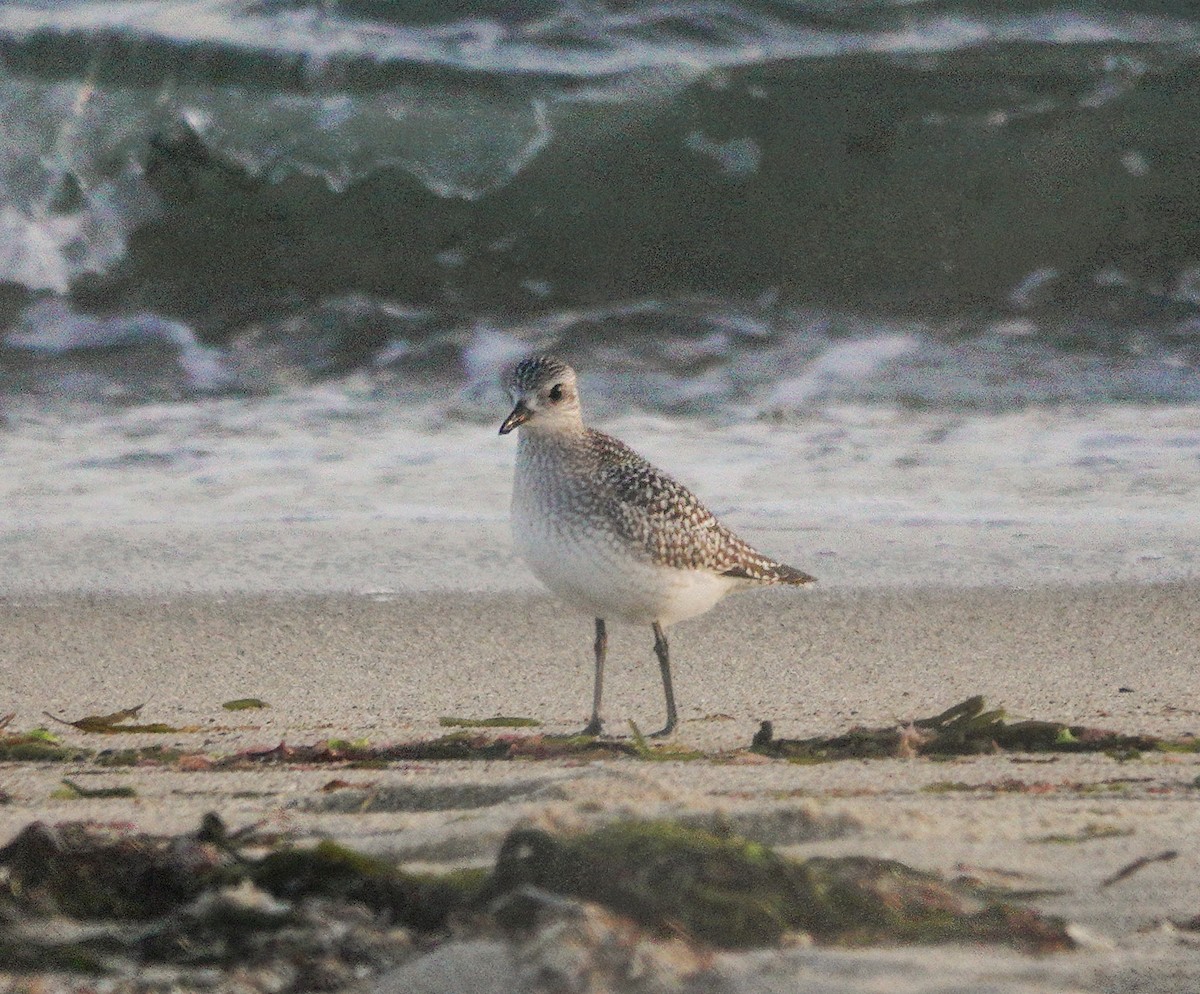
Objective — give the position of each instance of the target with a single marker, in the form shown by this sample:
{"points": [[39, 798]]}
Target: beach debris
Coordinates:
{"points": [[967, 728], [423, 902], [115, 723], [1002, 884], [461, 745], [500, 721], [1015, 785], [1138, 864], [149, 755], [732, 893], [245, 704], [180, 912], [660, 751], [337, 783], [87, 870], [36, 745], [215, 896], [1088, 833], [71, 789], [409, 796]]}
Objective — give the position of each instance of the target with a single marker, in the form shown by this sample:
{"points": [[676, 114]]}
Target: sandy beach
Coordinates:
{"points": [[355, 574], [812, 662], [385, 668], [908, 294]]}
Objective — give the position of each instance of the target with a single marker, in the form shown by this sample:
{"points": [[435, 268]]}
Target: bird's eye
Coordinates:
{"points": [[556, 392]]}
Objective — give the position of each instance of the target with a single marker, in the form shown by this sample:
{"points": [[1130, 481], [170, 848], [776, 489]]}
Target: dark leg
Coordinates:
{"points": [[664, 663], [594, 726]]}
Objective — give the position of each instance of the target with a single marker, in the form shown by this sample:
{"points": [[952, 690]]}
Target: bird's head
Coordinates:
{"points": [[544, 395]]}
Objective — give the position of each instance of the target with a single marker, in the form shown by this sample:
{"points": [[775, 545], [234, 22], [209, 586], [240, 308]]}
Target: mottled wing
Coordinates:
{"points": [[666, 519]]}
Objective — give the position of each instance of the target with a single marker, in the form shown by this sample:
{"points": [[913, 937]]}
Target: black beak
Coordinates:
{"points": [[520, 414]]}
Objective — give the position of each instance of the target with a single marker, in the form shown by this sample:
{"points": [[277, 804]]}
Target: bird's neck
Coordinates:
{"points": [[550, 448], [561, 433]]}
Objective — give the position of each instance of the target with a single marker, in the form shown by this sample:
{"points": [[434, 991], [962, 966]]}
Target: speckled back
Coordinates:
{"points": [[590, 480]]}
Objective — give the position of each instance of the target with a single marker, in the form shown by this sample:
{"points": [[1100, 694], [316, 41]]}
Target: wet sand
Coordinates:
{"points": [[811, 661]]}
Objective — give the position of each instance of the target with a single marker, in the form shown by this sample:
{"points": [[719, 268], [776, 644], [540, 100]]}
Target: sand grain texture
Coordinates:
{"points": [[385, 670]]}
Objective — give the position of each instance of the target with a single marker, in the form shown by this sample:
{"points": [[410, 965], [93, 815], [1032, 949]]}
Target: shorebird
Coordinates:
{"points": [[609, 533]]}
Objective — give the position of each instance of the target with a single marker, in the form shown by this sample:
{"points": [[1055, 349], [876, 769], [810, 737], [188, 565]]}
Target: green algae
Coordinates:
{"points": [[716, 889], [116, 723], [660, 752], [420, 901], [155, 755], [949, 787], [349, 745], [733, 893], [501, 721], [41, 746], [721, 890], [72, 790], [1088, 833], [245, 704], [966, 728], [35, 745], [16, 749], [212, 897], [1183, 745]]}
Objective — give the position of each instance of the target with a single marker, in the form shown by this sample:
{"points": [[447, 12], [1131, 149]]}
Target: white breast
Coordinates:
{"points": [[591, 569]]}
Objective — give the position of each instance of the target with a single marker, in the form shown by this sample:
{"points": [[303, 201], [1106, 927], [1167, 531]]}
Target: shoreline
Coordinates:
{"points": [[386, 557], [325, 490]]}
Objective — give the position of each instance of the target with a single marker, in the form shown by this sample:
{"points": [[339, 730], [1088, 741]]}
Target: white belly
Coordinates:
{"points": [[594, 573]]}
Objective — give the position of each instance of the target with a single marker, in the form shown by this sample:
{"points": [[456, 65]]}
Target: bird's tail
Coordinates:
{"points": [[766, 571], [792, 576]]}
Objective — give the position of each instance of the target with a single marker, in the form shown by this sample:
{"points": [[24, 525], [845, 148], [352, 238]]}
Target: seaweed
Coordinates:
{"points": [[1087, 834], [73, 790], [151, 755], [733, 893], [1129, 869], [89, 871], [115, 723], [659, 752], [714, 889], [36, 745], [964, 729], [500, 721], [245, 704], [176, 903], [420, 901], [455, 746]]}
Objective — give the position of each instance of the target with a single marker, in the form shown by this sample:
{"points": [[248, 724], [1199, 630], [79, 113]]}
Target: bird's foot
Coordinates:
{"points": [[594, 727], [662, 733]]}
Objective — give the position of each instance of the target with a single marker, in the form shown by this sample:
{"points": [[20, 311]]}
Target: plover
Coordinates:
{"points": [[609, 533]]}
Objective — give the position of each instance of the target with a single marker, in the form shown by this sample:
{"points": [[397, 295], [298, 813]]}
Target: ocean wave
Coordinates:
{"points": [[697, 356], [1001, 177]]}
